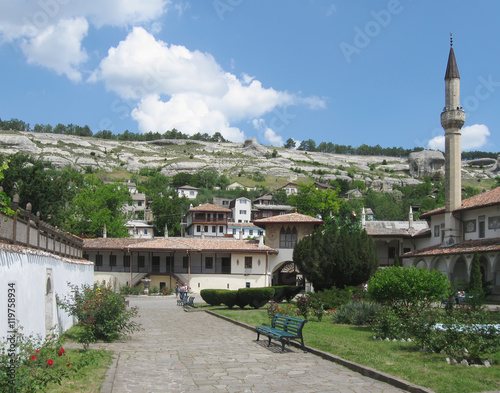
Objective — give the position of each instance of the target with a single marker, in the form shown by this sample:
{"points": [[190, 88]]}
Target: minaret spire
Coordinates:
{"points": [[452, 120]]}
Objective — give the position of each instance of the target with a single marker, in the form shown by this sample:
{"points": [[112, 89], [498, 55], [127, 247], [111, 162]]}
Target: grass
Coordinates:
{"points": [[94, 365], [403, 360], [89, 378]]}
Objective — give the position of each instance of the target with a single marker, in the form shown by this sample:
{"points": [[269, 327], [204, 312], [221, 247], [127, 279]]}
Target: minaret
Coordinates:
{"points": [[452, 120]]}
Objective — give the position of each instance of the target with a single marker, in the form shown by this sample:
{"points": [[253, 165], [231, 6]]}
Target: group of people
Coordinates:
{"points": [[181, 290]]}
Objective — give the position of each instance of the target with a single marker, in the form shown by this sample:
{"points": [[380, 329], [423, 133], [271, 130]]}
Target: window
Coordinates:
{"points": [[145, 231], [214, 229], [482, 226], [209, 263], [139, 203], [98, 260], [243, 212], [198, 228], [185, 262], [436, 230], [141, 260], [126, 261], [405, 250], [191, 192], [221, 229], [234, 231], [288, 237], [205, 229], [251, 232], [248, 262], [243, 201], [112, 260], [391, 252]]}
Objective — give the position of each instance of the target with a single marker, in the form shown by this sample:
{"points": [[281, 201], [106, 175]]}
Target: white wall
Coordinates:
{"points": [[35, 309]]}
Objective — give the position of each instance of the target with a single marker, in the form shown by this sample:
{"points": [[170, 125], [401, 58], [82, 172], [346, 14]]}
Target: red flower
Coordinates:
{"points": [[61, 352], [50, 362], [86, 308], [37, 351], [68, 364], [33, 357]]}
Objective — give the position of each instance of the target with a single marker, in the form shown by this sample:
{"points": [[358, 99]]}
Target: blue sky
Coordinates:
{"points": [[332, 71]]}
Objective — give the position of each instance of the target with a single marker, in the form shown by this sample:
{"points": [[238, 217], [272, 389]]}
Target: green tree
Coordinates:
{"points": [[169, 210], [315, 202], [182, 179], [98, 205], [280, 197], [290, 144], [476, 281], [334, 256], [408, 290]]}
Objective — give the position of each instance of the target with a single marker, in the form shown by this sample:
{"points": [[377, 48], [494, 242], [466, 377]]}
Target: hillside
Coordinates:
{"points": [[238, 161]]}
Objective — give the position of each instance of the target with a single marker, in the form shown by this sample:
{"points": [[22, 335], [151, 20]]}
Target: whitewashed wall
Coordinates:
{"points": [[38, 277]]}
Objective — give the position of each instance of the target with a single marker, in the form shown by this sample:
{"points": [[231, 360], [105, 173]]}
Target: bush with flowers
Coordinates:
{"points": [[101, 313], [29, 363]]}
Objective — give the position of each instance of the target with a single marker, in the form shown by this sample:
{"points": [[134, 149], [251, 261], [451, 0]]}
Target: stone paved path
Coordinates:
{"points": [[196, 352]]}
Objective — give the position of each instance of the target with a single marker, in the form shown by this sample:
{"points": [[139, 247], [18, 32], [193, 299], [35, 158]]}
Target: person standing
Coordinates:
{"points": [[176, 290]]}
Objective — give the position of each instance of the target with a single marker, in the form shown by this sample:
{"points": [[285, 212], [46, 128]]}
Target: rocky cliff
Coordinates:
{"points": [[174, 156]]}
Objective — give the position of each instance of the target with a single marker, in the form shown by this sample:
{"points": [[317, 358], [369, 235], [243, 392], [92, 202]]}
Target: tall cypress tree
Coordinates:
{"points": [[476, 282]]}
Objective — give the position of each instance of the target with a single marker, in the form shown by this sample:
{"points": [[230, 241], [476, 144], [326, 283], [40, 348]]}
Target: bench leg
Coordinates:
{"points": [[283, 345], [269, 343], [258, 335], [303, 346]]}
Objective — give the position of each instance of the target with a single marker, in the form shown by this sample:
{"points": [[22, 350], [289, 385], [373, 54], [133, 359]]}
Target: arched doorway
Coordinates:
{"points": [[421, 263], [286, 274], [459, 270]]}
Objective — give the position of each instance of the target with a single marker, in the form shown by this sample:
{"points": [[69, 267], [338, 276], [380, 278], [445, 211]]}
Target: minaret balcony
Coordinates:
{"points": [[452, 119]]}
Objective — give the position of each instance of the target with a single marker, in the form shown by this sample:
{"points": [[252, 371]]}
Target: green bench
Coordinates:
{"points": [[283, 329]]}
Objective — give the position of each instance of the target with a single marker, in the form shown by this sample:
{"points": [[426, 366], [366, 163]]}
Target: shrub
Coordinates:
{"points": [[210, 296], [101, 312], [316, 305], [335, 297], [255, 297], [303, 305], [408, 290], [287, 292], [227, 297], [357, 313], [154, 290], [38, 362], [389, 325]]}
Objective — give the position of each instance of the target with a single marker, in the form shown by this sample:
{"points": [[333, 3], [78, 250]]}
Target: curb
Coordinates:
{"points": [[363, 370]]}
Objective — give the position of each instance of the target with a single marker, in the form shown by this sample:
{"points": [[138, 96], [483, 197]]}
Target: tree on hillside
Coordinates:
{"points": [[315, 202], [290, 144], [336, 256], [95, 206], [169, 210]]}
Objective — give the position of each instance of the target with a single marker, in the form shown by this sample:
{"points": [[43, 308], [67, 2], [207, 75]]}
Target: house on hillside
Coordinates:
{"points": [[188, 192], [140, 229], [235, 185], [290, 188], [206, 220], [241, 209], [244, 230]]}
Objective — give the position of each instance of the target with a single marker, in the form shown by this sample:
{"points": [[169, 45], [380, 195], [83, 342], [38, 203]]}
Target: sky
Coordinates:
{"points": [[350, 73]]}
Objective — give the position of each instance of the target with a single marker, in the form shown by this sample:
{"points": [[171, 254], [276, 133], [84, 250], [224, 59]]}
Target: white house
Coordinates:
{"points": [[187, 192], [241, 209]]}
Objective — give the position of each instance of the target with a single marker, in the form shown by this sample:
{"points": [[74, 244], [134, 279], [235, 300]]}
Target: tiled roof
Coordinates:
{"points": [[466, 247], [295, 218], [181, 244], [188, 188], [488, 198], [110, 243], [242, 224], [208, 207], [395, 228], [273, 207]]}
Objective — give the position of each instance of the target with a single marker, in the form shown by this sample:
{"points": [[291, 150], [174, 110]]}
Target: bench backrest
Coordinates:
{"points": [[288, 324]]}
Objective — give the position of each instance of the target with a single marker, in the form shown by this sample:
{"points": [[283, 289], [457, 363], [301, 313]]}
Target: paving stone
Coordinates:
{"points": [[182, 351]]}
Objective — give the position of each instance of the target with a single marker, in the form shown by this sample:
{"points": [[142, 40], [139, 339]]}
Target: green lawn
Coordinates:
{"points": [[403, 360]]}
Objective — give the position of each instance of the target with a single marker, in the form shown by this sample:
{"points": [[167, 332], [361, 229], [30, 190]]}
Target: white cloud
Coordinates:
{"points": [[44, 29], [58, 47], [185, 89], [269, 134], [473, 137]]}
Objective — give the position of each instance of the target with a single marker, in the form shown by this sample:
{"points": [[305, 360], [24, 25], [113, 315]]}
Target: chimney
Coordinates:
{"points": [[363, 218], [104, 232], [166, 231], [410, 218], [261, 240]]}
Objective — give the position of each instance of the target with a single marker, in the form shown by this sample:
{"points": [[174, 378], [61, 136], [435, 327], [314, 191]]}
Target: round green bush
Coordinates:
{"points": [[255, 297], [227, 297], [210, 296]]}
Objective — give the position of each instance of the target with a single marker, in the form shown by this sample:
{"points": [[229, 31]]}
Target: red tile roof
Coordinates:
{"points": [[208, 207], [466, 247], [180, 244], [292, 218], [488, 198]]}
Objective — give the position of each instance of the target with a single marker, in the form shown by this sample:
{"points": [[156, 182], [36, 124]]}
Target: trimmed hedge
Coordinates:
{"points": [[254, 297], [210, 296], [228, 297], [287, 292]]}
